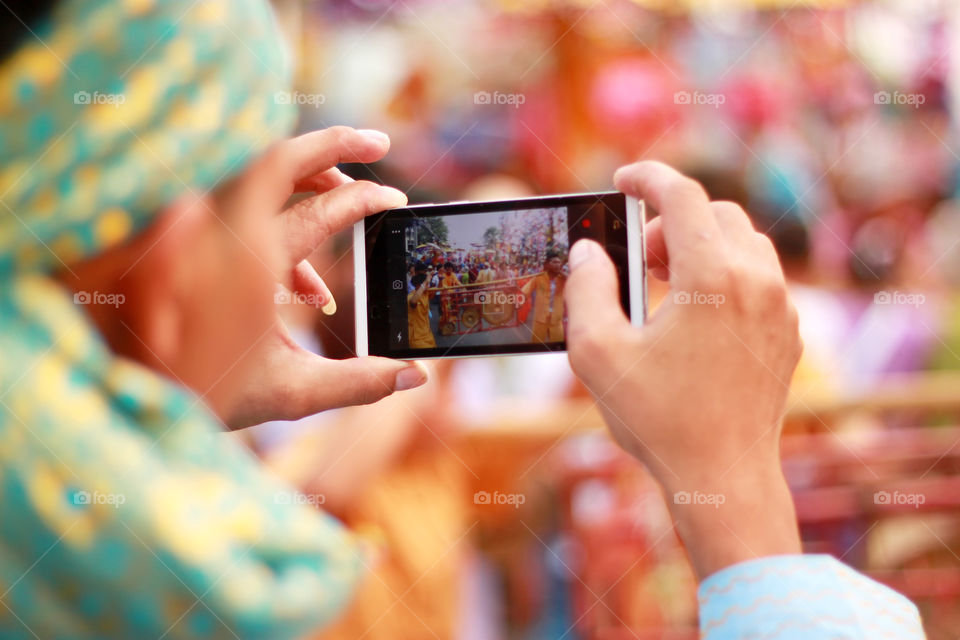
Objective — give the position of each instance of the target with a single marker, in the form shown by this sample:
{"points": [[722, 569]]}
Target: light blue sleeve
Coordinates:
{"points": [[802, 597]]}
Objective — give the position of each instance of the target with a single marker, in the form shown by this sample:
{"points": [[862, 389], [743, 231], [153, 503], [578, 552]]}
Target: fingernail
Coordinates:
{"points": [[330, 308], [580, 253], [373, 134], [410, 378], [397, 198]]}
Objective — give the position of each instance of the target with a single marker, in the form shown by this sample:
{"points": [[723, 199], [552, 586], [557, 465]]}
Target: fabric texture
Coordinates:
{"points": [[115, 107], [124, 511], [801, 597]]}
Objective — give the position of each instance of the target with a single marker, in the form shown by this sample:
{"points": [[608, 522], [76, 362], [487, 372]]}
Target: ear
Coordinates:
{"points": [[167, 259]]}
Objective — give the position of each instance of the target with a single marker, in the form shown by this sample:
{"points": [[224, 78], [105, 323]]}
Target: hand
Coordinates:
{"points": [[290, 382], [698, 393]]}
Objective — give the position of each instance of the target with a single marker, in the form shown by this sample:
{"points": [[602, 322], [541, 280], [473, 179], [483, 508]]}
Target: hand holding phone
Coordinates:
{"points": [[697, 393]]}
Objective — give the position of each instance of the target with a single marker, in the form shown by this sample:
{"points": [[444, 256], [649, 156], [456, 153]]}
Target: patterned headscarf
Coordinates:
{"points": [[124, 512], [117, 107]]}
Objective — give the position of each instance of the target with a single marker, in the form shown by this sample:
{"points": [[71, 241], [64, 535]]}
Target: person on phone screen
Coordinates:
{"points": [[450, 278], [143, 237], [485, 274], [419, 334], [547, 290]]}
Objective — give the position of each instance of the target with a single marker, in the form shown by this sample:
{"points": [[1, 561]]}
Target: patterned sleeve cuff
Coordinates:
{"points": [[802, 596]]}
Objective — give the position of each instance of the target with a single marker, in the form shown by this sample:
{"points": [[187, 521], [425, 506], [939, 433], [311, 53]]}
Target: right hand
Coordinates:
{"points": [[698, 393]]}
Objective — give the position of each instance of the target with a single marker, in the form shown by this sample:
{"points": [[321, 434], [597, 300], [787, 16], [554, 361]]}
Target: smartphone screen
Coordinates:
{"points": [[483, 278]]}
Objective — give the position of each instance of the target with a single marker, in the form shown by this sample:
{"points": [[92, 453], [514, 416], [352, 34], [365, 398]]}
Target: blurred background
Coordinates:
{"points": [[493, 504]]}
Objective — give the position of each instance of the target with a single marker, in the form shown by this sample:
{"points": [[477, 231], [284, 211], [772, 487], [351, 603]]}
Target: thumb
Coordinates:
{"points": [[592, 296], [342, 383]]}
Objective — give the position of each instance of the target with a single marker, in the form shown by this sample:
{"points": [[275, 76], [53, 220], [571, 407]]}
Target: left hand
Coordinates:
{"points": [[290, 382]]}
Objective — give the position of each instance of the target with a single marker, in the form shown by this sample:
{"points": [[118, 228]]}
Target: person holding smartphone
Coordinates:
{"points": [[144, 238]]}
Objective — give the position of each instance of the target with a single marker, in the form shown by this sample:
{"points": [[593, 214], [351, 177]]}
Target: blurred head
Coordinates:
{"points": [[180, 216], [552, 264], [418, 279], [875, 252], [197, 283]]}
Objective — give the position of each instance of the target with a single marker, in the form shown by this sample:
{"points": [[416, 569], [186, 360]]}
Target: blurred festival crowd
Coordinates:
{"points": [[832, 127], [516, 244], [835, 128]]}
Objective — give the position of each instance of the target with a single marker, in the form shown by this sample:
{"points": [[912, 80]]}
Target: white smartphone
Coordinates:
{"points": [[486, 278]]}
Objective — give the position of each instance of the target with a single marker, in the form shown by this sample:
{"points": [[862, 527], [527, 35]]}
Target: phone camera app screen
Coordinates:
{"points": [[480, 279]]}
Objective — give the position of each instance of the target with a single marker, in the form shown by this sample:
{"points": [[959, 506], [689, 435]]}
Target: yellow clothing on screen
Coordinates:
{"points": [[419, 334], [547, 306], [451, 280]]}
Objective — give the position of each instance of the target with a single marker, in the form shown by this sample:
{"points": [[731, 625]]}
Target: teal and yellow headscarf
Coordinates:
{"points": [[124, 512]]}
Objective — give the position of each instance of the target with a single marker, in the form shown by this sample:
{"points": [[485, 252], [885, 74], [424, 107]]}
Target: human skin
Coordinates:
{"points": [[698, 393], [199, 284]]}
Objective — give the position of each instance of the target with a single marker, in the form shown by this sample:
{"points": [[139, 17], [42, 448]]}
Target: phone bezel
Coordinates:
{"points": [[635, 213]]}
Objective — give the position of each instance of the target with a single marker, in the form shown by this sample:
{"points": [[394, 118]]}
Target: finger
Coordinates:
{"points": [[308, 284], [749, 248], [690, 230], [317, 151], [323, 181], [765, 252], [592, 297], [658, 262], [733, 221], [313, 220], [371, 379]]}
